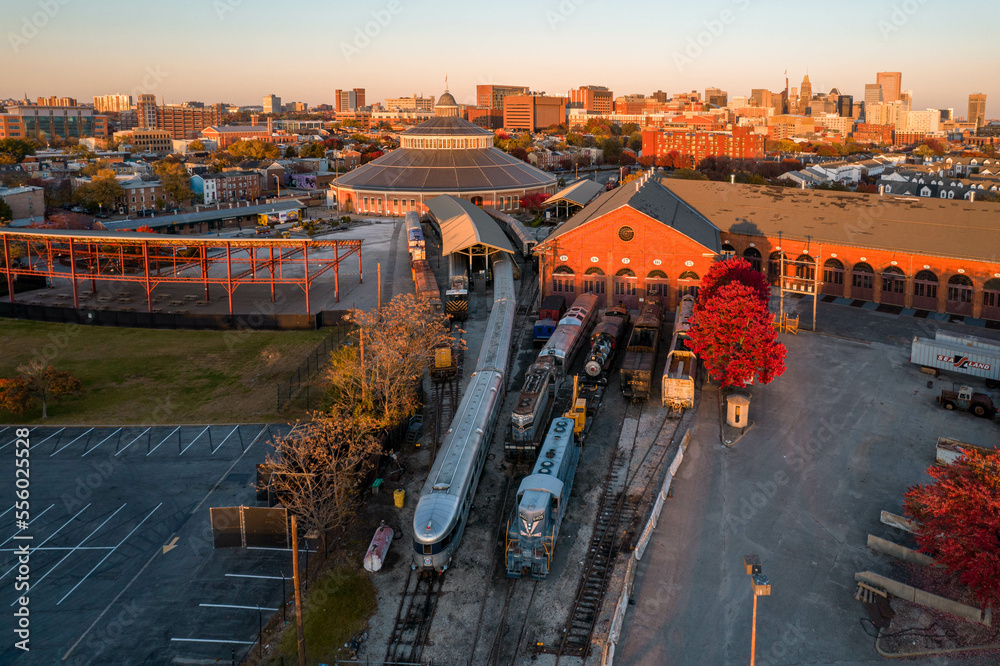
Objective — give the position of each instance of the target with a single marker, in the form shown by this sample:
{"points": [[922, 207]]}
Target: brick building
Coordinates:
{"points": [[646, 237], [869, 133], [26, 203], [741, 143], [533, 112], [183, 122], [62, 122], [491, 96], [595, 99], [227, 187], [147, 140]]}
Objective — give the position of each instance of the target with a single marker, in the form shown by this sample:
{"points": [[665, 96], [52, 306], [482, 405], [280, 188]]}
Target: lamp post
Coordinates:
{"points": [[761, 587]]}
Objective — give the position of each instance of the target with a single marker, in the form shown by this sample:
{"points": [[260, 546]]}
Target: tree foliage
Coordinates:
{"points": [[36, 380], [734, 269], [732, 334], [175, 179], [533, 202], [6, 212], [959, 517], [196, 145], [17, 149], [254, 149], [689, 174], [103, 189], [313, 149]]}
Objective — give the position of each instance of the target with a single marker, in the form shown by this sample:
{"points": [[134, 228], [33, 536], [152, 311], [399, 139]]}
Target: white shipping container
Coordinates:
{"points": [[957, 358]]}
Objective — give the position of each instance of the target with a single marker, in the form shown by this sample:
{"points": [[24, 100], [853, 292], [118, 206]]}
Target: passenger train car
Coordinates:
{"points": [[534, 406], [457, 294], [443, 508], [640, 355], [522, 237], [606, 339], [415, 242], [542, 500], [571, 333], [424, 282]]}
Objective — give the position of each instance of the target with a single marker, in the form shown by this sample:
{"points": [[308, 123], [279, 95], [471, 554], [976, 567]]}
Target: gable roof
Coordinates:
{"points": [[464, 225], [580, 193], [648, 196]]}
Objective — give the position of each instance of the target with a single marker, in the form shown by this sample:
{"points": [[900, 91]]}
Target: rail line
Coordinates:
{"points": [[413, 618], [445, 397], [498, 538]]}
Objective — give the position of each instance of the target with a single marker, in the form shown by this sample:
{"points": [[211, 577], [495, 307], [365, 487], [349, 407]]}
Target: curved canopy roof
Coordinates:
{"points": [[446, 170], [579, 193], [464, 225]]}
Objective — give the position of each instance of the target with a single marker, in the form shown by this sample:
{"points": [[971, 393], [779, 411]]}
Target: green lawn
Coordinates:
{"points": [[336, 608], [141, 376]]}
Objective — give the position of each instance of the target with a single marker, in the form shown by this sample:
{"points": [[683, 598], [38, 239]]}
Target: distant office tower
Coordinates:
{"points": [[977, 109], [146, 111], [347, 100], [533, 112], [845, 106], [660, 96], [57, 101], [272, 104], [416, 103], [359, 98], [491, 97], [890, 82], [597, 99], [873, 93], [112, 103], [761, 97], [805, 93], [716, 97], [947, 114]]}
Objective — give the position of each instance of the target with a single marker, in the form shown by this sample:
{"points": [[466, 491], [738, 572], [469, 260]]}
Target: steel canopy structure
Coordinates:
{"points": [[153, 259]]}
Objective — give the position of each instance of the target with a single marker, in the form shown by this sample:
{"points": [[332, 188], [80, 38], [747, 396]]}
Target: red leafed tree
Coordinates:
{"points": [[734, 269], [146, 229], [733, 336], [959, 516], [533, 201]]}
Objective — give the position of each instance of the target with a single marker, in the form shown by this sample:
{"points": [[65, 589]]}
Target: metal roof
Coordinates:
{"points": [[447, 126], [222, 213], [579, 193], [464, 225], [919, 225], [127, 237]]}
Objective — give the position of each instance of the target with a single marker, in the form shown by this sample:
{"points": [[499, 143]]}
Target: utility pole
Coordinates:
{"points": [[298, 593]]}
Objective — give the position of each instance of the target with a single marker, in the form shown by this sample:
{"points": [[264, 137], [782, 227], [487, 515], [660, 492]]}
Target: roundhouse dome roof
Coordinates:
{"points": [[447, 100]]}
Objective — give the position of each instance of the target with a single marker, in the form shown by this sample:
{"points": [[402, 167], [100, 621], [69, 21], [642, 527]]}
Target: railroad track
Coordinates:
{"points": [[413, 618], [510, 635], [445, 397]]}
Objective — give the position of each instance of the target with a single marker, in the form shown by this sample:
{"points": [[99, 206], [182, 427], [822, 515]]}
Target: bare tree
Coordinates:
{"points": [[316, 469]]}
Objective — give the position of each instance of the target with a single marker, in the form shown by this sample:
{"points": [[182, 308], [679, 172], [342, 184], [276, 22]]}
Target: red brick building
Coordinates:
{"points": [[596, 99], [645, 237], [533, 112], [741, 143], [869, 133]]}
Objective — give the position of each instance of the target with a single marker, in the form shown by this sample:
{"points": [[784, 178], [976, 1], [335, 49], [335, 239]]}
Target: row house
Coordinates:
{"points": [[227, 186]]}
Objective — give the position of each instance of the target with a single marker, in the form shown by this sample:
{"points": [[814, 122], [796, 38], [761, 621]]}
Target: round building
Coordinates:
{"points": [[444, 155]]}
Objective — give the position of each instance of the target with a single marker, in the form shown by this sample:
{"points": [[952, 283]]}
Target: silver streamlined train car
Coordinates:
{"points": [[443, 508], [534, 406], [606, 339], [571, 333], [542, 499]]}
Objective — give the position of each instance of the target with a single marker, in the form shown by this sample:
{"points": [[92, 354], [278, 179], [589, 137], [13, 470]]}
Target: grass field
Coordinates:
{"points": [[137, 376]]}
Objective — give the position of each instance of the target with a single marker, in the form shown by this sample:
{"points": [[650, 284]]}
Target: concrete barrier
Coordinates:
{"points": [[917, 596], [887, 547], [899, 522]]}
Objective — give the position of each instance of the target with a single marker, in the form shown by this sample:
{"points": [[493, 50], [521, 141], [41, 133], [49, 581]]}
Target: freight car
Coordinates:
{"points": [[640, 355], [571, 333], [457, 294], [533, 409], [606, 339], [542, 500], [425, 283], [682, 364]]}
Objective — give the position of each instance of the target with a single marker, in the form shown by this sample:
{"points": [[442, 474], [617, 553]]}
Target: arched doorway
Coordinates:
{"points": [[595, 282], [728, 250], [863, 282], [991, 299], [805, 269], [564, 282], [959, 297], [688, 283], [658, 286], [893, 286], [752, 255], [774, 266], [925, 288], [625, 288], [477, 201], [833, 277]]}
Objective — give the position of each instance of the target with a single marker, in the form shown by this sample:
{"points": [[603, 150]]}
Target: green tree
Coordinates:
{"points": [[635, 141], [689, 174], [17, 148], [6, 214], [175, 179], [81, 151], [612, 147], [102, 190], [630, 128], [313, 149], [196, 145], [255, 149], [290, 152]]}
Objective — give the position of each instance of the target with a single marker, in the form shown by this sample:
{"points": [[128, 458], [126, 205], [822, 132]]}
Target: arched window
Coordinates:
{"points": [[625, 282], [594, 281], [752, 255], [688, 283], [477, 201], [925, 290], [563, 280], [657, 284], [625, 272], [893, 286], [728, 250], [805, 267]]}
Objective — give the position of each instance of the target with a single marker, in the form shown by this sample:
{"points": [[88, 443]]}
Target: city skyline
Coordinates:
{"points": [[199, 50]]}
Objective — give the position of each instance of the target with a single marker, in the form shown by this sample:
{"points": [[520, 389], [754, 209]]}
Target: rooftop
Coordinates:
{"points": [[218, 213], [464, 225]]}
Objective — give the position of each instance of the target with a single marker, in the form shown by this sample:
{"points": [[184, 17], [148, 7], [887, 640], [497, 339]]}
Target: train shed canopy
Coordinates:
{"points": [[575, 195], [466, 228]]}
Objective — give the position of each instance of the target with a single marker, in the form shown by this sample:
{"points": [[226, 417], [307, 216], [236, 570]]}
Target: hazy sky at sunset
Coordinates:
{"points": [[238, 50]]}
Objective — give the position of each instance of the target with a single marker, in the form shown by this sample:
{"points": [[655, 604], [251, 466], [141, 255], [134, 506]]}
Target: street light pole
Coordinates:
{"points": [[761, 587]]}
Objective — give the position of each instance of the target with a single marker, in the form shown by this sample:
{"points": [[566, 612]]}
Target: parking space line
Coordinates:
{"points": [[30, 522], [194, 440], [47, 439], [287, 550], [164, 439], [45, 575], [212, 640], [11, 550], [102, 441], [231, 432], [49, 537], [30, 430], [111, 552], [257, 576], [7, 511], [135, 440], [74, 439], [256, 608]]}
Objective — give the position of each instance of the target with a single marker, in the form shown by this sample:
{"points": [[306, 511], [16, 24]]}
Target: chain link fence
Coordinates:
{"points": [[300, 387]]}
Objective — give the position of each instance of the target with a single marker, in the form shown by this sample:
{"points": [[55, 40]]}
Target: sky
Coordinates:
{"points": [[237, 51]]}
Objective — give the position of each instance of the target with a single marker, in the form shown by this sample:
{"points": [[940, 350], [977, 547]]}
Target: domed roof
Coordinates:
{"points": [[447, 126], [447, 100]]}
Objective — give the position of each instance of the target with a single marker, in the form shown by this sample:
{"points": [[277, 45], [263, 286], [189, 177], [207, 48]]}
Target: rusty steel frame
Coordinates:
{"points": [[159, 253]]}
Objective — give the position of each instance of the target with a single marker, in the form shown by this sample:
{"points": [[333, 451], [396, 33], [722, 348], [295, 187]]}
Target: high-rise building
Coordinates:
{"points": [[597, 99], [761, 97], [890, 82], [416, 103], [805, 93], [183, 122], [977, 109], [57, 101], [873, 93], [272, 104], [112, 103], [845, 106], [660, 96], [491, 96], [347, 100], [359, 98], [146, 111], [716, 97], [533, 112]]}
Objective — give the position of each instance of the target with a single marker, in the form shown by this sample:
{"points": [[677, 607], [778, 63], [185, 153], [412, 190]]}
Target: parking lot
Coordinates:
{"points": [[837, 439], [122, 564]]}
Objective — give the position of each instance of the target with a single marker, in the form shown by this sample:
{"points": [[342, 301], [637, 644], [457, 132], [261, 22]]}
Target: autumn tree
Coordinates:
{"points": [[534, 201], [959, 520], [734, 269], [315, 470], [313, 149], [36, 380], [255, 149], [689, 174], [103, 189], [176, 180], [196, 146], [732, 334], [17, 149]]}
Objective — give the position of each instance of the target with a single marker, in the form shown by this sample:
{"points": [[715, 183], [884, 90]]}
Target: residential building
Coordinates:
{"points": [[835, 122], [349, 100], [890, 83], [182, 121], [272, 104], [741, 143], [533, 112], [492, 96], [977, 109], [26, 203], [928, 121], [140, 194], [786, 125], [597, 99], [56, 101], [63, 122], [872, 133], [145, 108], [716, 97], [112, 103], [227, 187]]}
